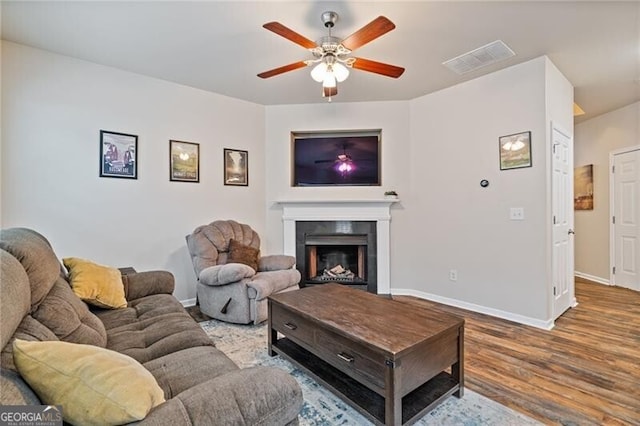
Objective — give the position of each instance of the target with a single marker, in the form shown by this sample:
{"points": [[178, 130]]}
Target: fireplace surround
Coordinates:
{"points": [[377, 211]]}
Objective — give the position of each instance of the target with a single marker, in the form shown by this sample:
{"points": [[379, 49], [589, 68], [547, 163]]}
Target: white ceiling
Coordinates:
{"points": [[220, 46]]}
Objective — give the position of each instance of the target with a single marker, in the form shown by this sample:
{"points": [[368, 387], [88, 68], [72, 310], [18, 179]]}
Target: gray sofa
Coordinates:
{"points": [[200, 384]]}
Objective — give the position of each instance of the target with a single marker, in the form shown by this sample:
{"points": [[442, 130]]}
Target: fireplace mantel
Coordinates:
{"points": [[378, 210]]}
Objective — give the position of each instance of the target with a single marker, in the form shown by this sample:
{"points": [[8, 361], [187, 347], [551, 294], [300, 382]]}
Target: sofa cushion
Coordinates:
{"points": [[141, 284], [29, 329], [251, 396], [96, 284], [179, 371], [69, 317], [240, 253], [151, 327], [15, 296], [37, 258], [15, 391], [95, 386]]}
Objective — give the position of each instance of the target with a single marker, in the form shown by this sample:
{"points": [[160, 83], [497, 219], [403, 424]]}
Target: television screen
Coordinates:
{"points": [[336, 158]]}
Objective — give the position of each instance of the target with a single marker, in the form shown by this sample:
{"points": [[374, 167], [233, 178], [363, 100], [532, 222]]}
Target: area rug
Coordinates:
{"points": [[246, 345]]}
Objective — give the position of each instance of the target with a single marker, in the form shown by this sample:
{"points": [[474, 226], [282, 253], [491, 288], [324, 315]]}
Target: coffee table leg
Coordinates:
{"points": [[272, 335], [393, 396], [457, 369]]}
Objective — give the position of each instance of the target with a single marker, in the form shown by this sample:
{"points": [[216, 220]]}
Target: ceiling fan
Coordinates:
{"points": [[340, 158], [331, 54], [343, 162]]}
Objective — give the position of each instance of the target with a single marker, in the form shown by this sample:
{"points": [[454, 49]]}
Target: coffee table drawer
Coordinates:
{"points": [[291, 325], [352, 358]]}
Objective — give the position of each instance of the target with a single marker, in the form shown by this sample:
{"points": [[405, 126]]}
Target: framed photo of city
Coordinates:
{"points": [[236, 167], [118, 155], [184, 161], [515, 151]]}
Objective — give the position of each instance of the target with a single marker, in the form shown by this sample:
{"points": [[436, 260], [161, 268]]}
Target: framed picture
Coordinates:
{"points": [[583, 187], [515, 151], [236, 167], [118, 155], [184, 161]]}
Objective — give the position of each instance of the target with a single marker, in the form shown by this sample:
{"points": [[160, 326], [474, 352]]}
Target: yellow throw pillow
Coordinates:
{"points": [[95, 386], [96, 284]]}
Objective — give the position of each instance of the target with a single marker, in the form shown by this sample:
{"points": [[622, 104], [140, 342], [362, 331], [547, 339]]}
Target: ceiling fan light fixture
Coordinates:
{"points": [[329, 80], [340, 71], [345, 167], [319, 71]]}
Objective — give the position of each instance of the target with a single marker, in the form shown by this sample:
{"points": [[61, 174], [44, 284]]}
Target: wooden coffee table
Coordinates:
{"points": [[393, 362]]}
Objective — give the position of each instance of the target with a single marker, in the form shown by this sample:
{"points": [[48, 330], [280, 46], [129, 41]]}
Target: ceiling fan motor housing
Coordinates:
{"points": [[329, 19], [330, 44]]}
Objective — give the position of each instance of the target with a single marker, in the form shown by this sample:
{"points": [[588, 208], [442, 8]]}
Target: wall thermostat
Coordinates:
{"points": [[484, 183]]}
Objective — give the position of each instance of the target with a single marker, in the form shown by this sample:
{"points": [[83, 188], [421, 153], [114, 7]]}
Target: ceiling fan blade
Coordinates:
{"points": [[377, 67], [289, 34], [328, 92], [369, 32], [324, 161], [283, 69]]}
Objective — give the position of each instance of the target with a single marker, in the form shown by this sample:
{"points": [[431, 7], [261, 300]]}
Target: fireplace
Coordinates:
{"points": [[337, 251], [377, 213]]}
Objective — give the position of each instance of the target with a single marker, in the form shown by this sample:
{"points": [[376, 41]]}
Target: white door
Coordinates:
{"points": [[562, 222], [626, 215]]}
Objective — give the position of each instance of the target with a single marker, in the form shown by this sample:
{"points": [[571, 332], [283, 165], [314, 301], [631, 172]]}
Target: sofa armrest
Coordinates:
{"points": [[141, 284], [251, 396], [225, 274], [276, 262]]}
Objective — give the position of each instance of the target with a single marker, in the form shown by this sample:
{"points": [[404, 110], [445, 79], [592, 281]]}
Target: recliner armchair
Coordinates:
{"points": [[231, 291]]}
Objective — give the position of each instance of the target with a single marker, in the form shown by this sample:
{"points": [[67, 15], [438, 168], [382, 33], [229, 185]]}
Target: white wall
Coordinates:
{"points": [[594, 140], [53, 108], [391, 117], [501, 264]]}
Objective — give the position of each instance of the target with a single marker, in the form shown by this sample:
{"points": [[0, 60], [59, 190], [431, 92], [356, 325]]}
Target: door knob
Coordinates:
{"points": [[571, 231]]}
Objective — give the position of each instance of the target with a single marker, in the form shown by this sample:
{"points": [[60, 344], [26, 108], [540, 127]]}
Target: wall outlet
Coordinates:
{"points": [[453, 275], [516, 213]]}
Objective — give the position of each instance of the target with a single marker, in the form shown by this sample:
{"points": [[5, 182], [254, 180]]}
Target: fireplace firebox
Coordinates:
{"points": [[337, 251]]}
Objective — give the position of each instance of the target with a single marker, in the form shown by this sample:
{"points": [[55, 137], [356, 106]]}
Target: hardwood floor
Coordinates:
{"points": [[586, 371]]}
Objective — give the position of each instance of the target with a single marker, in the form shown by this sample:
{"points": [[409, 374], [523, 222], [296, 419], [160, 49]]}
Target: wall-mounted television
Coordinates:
{"points": [[336, 158]]}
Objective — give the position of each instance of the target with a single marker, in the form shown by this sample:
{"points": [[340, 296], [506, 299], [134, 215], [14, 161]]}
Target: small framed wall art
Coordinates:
{"points": [[118, 155], [184, 161], [236, 167], [515, 151]]}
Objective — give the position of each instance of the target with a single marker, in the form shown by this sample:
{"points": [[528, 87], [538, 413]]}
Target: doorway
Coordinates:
{"points": [[625, 218]]}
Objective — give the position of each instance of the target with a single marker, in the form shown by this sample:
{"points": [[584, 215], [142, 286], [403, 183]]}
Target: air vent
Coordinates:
{"points": [[480, 57]]}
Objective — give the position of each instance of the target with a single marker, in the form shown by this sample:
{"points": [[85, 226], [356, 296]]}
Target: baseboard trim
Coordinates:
{"points": [[189, 302], [521, 319], [592, 278]]}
